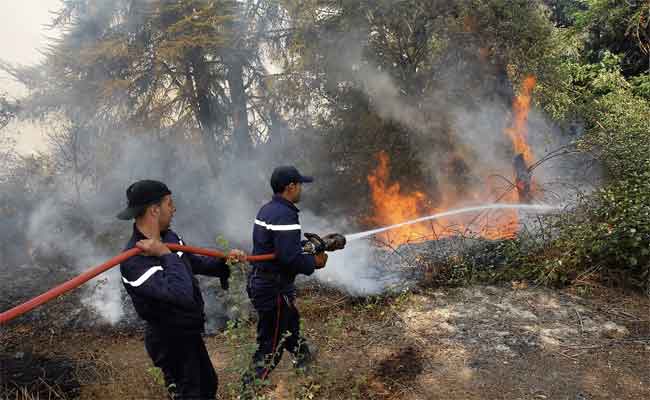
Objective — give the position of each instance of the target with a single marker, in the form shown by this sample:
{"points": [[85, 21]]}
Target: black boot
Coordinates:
{"points": [[303, 357]]}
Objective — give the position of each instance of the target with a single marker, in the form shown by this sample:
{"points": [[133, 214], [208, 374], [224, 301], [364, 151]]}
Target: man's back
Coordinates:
{"points": [[277, 230], [164, 291]]}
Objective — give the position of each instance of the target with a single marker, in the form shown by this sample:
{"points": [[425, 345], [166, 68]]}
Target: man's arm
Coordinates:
{"points": [[286, 238], [202, 265], [209, 266]]}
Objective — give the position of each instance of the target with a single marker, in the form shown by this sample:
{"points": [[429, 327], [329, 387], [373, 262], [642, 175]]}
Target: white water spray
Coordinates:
{"points": [[497, 206]]}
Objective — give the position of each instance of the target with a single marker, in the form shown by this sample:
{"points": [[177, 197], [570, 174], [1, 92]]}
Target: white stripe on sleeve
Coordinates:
{"points": [[270, 227], [142, 279]]}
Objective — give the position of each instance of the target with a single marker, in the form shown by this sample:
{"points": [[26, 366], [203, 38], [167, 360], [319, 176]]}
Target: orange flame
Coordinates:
{"points": [[518, 131], [392, 205], [518, 135]]}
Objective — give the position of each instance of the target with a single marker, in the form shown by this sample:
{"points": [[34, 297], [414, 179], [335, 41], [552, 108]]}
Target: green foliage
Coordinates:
{"points": [[609, 230], [239, 335], [612, 229], [157, 375], [641, 86], [517, 31], [183, 66], [563, 11], [612, 233], [620, 27], [619, 135]]}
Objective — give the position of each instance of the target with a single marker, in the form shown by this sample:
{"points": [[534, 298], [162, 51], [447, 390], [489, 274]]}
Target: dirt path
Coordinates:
{"points": [[467, 343], [487, 342]]}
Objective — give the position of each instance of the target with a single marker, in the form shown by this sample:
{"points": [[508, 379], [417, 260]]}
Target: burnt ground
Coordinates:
{"points": [[480, 342]]}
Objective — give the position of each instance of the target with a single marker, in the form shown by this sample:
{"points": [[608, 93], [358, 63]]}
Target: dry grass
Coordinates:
{"points": [[23, 393], [451, 344]]}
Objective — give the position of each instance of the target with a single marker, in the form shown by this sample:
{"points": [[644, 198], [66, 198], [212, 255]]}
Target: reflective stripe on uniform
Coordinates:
{"points": [[270, 227], [142, 279], [180, 241]]}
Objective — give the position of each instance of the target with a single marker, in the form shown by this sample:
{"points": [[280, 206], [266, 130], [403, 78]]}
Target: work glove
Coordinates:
{"points": [[224, 277], [223, 281], [233, 257], [321, 260]]}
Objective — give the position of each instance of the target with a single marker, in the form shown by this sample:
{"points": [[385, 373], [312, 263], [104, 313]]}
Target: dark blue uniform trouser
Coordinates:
{"points": [[278, 329], [185, 363]]}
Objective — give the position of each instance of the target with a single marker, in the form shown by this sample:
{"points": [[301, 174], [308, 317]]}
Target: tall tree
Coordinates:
{"points": [[383, 75], [184, 66]]}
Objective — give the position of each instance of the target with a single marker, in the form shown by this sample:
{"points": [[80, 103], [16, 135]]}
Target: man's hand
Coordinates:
{"points": [[151, 247], [236, 256], [321, 260]]}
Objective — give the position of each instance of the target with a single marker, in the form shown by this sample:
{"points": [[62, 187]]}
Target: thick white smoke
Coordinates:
{"points": [[353, 269], [53, 237], [88, 234]]}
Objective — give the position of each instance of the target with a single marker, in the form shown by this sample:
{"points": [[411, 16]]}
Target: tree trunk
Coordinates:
{"points": [[241, 137], [206, 112], [198, 81], [278, 129]]}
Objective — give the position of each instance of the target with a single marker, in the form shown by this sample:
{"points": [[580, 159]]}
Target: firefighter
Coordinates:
{"points": [[166, 294], [271, 285]]}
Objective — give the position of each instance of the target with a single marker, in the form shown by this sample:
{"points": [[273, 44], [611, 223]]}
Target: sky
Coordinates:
{"points": [[23, 34]]}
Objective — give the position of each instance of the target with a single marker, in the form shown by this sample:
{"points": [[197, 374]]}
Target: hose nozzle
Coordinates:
{"points": [[330, 242]]}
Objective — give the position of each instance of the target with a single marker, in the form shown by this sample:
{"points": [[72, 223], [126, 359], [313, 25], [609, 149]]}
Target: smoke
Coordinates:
{"points": [[71, 237], [75, 218], [83, 232], [354, 270], [104, 295], [391, 103], [456, 135]]}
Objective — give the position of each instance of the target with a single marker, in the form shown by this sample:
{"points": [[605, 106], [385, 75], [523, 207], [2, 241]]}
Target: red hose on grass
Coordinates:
{"points": [[93, 272]]}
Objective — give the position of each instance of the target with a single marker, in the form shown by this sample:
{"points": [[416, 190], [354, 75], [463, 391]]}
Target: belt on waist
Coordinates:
{"points": [[272, 276]]}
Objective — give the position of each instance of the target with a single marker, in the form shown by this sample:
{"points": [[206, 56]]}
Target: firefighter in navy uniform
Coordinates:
{"points": [[271, 284], [166, 294]]}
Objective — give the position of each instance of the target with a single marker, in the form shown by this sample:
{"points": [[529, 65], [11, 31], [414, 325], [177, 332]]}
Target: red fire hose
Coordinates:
{"points": [[93, 272]]}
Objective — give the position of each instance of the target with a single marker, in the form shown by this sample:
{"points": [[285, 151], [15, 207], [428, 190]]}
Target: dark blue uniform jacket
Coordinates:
{"points": [[277, 230], [164, 291]]}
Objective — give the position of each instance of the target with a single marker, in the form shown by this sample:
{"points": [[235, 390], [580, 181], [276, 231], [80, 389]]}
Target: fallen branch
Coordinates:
{"points": [[582, 327]]}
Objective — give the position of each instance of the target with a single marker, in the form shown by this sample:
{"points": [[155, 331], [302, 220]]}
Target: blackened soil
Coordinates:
{"points": [[41, 375]]}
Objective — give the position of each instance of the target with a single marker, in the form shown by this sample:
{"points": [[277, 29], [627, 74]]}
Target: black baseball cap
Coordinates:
{"points": [[142, 194], [284, 175]]}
